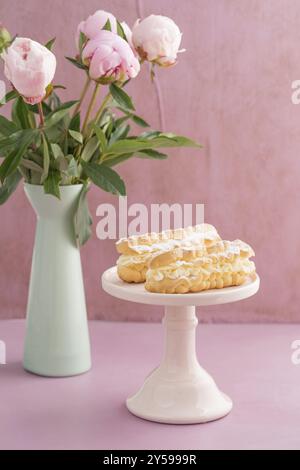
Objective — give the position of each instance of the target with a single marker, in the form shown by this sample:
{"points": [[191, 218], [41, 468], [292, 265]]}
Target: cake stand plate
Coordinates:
{"points": [[179, 391]]}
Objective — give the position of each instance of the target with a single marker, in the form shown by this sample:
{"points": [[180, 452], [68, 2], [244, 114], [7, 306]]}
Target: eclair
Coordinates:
{"points": [[137, 252], [189, 269]]}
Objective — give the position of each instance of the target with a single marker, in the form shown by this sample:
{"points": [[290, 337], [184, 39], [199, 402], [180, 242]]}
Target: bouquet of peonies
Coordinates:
{"points": [[47, 142]]}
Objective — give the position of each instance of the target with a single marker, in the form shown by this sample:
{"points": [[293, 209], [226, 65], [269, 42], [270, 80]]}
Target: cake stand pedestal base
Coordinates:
{"points": [[179, 391]]}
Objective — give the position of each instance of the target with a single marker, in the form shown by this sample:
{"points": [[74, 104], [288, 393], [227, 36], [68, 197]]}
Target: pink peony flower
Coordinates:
{"points": [[128, 34], [30, 67], [110, 58], [157, 39], [95, 23]]}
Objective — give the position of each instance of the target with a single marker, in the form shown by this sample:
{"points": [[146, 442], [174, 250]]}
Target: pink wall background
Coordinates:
{"points": [[232, 91]]}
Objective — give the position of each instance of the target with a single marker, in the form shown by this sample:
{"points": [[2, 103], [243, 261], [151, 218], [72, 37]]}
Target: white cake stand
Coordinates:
{"points": [[179, 391]]}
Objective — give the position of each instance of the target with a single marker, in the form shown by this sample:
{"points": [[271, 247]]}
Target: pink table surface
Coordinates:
{"points": [[251, 363]]}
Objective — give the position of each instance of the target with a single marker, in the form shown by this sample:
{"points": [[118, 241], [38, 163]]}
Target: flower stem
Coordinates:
{"points": [[90, 108], [41, 114], [31, 120], [104, 104], [99, 112], [82, 96], [102, 107]]}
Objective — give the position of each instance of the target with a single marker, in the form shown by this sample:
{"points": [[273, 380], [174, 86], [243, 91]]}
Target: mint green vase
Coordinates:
{"points": [[57, 338]]}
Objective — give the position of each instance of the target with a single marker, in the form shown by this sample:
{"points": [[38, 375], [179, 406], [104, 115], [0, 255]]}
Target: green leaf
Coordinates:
{"points": [[11, 162], [120, 133], [128, 145], [76, 63], [73, 167], [62, 163], [121, 97], [11, 95], [90, 148], [8, 143], [106, 116], [21, 113], [9, 186], [107, 26], [149, 134], [54, 102], [11, 141], [160, 140], [82, 218], [76, 136], [108, 128], [150, 153], [56, 151], [51, 184], [26, 174], [75, 122], [101, 137], [113, 160], [120, 121], [46, 159], [56, 116], [64, 142], [82, 40], [139, 121], [50, 43], [64, 106], [104, 177], [46, 108], [14, 115], [120, 31], [180, 140], [128, 115], [117, 159], [7, 127], [31, 165], [37, 158]]}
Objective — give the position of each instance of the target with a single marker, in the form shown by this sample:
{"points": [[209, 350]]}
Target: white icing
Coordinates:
{"points": [[190, 240], [181, 237], [125, 260]]}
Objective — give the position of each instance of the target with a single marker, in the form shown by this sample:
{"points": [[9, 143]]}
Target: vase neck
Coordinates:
{"points": [[50, 207]]}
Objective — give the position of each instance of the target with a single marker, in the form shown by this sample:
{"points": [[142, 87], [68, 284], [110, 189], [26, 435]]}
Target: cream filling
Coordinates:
{"points": [[182, 269], [127, 260]]}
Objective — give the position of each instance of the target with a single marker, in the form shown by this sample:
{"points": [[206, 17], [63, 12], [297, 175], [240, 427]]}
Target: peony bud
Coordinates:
{"points": [[157, 39], [110, 58], [30, 67], [95, 23]]}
